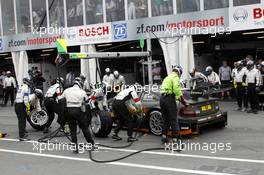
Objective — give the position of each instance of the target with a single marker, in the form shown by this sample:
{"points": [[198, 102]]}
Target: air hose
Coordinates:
{"points": [[54, 134]]}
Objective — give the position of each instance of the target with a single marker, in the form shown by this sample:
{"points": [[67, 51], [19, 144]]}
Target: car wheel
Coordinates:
{"points": [[101, 123], [38, 119], [156, 122]]}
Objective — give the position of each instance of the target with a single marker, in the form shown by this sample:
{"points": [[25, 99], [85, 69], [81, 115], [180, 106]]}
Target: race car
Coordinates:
{"points": [[202, 110]]}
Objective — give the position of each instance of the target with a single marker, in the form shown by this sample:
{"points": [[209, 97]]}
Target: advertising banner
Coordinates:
{"points": [[201, 22], [246, 17]]}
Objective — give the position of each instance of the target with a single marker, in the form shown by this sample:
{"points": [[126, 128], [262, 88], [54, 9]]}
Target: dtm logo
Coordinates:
{"points": [[120, 31], [240, 15], [1, 44]]}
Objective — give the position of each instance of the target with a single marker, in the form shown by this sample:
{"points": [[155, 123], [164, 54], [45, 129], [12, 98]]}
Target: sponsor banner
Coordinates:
{"points": [[201, 22], [246, 17]]}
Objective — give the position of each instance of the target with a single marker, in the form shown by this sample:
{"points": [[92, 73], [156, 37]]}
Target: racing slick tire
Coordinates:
{"points": [[38, 119], [101, 123], [156, 122]]}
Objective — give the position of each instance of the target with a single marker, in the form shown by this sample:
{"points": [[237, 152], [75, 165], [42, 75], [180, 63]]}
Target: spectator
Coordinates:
{"points": [[225, 77], [9, 87], [2, 78]]}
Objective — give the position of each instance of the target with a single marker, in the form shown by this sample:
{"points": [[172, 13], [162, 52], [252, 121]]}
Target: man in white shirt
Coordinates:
{"points": [[126, 101], [75, 98], [225, 77], [9, 88]]}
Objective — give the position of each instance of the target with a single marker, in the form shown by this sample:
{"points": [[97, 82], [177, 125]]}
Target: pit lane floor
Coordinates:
{"points": [[244, 134]]}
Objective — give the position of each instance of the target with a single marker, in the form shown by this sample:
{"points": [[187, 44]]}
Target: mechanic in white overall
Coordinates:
{"points": [[125, 102]]}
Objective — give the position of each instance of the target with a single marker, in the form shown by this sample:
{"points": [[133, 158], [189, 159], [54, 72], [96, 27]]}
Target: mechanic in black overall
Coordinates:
{"points": [[53, 105], [126, 101], [170, 92], [75, 98]]}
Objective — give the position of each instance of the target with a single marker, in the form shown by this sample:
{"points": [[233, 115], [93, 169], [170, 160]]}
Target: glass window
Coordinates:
{"points": [[74, 12], [137, 9], [94, 11], [161, 7], [23, 16], [215, 4], [188, 5], [39, 13], [8, 17], [245, 2], [56, 13], [115, 10]]}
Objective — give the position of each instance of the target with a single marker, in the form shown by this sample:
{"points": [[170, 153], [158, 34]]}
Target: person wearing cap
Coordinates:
{"points": [[108, 80], [170, 93], [75, 99], [126, 102], [212, 76], [239, 76], [52, 105], [9, 87], [253, 84], [108, 77], [118, 82]]}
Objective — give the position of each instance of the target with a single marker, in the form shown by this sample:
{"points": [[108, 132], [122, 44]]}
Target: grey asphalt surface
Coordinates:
{"points": [[244, 133]]}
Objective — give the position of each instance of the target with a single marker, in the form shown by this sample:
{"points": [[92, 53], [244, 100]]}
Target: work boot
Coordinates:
{"points": [[164, 139], [116, 137], [238, 109], [25, 138], [243, 109], [131, 139]]}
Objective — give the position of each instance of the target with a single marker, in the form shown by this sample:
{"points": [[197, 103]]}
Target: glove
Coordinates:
{"points": [[257, 89], [181, 99], [28, 108]]}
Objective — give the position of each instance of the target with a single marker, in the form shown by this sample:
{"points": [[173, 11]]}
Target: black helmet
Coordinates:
{"points": [[209, 70], [39, 93]]}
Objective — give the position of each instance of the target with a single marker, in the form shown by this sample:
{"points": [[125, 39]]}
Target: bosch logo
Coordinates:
{"points": [[240, 15], [120, 31]]}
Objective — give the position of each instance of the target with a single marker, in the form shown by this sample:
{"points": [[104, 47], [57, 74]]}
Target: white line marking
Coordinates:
{"points": [[171, 154], [118, 163]]}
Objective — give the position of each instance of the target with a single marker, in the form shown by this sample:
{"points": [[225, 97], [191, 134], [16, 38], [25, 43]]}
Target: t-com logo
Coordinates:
{"points": [[240, 15], [120, 31], [1, 44]]}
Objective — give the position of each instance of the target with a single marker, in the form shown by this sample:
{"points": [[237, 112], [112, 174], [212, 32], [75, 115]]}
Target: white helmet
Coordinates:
{"points": [[116, 73], [208, 68], [107, 70]]}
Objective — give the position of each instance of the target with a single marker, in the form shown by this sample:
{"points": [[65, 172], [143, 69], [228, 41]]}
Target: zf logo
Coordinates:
{"points": [[120, 31], [1, 44]]}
